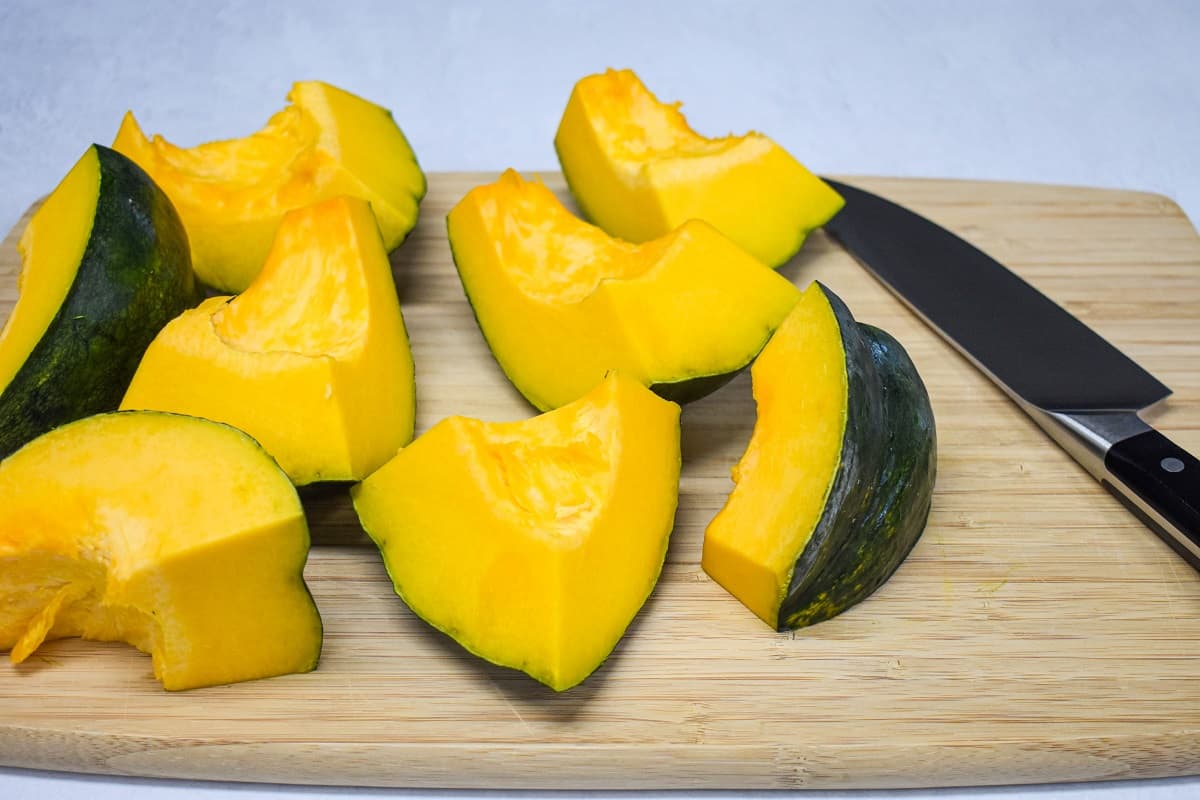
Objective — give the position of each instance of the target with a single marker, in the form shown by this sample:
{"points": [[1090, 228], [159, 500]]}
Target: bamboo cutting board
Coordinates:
{"points": [[1038, 632]]}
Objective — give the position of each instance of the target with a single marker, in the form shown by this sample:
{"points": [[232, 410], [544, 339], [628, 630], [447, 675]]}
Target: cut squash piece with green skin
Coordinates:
{"points": [[232, 194], [190, 546], [835, 486], [639, 171], [561, 303], [312, 360], [533, 544], [104, 266]]}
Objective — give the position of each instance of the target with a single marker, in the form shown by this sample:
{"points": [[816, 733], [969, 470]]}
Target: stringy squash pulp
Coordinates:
{"points": [[231, 194], [192, 549]]}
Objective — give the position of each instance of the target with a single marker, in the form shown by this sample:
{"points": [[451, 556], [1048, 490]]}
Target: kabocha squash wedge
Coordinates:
{"points": [[533, 544], [189, 545], [638, 171], [312, 360], [561, 303], [835, 486], [104, 266], [231, 194]]}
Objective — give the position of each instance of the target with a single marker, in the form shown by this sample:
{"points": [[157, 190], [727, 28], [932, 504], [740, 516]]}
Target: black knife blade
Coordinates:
{"points": [[1080, 388]]}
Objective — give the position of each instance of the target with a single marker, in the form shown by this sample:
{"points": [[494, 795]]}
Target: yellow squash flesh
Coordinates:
{"points": [[561, 303], [231, 194], [51, 249], [533, 543], [174, 534], [639, 171], [312, 360], [784, 477]]}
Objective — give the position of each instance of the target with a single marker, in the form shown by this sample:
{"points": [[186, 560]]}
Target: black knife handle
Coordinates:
{"points": [[1164, 480]]}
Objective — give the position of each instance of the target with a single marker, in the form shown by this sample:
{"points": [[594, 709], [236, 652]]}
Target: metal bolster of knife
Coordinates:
{"points": [[1090, 438], [1089, 435]]}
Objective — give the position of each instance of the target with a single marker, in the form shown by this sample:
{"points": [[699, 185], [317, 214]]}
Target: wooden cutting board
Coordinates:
{"points": [[1038, 632]]}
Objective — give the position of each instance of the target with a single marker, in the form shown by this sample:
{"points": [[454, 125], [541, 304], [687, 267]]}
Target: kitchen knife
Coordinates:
{"points": [[1080, 389]]}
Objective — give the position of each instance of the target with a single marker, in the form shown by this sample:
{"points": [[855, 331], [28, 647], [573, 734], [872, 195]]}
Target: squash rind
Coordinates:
{"points": [[857, 492], [134, 277], [861, 457], [878, 534]]}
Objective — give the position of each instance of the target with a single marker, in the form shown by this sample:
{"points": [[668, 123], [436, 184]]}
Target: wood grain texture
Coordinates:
{"points": [[1037, 632]]}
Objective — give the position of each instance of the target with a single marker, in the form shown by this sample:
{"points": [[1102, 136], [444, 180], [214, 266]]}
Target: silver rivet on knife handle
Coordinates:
{"points": [[1089, 437]]}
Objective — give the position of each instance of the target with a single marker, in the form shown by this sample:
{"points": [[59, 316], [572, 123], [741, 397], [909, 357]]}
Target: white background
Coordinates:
{"points": [[1092, 93]]}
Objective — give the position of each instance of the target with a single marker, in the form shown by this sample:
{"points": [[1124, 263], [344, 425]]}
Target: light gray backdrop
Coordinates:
{"points": [[1095, 93]]}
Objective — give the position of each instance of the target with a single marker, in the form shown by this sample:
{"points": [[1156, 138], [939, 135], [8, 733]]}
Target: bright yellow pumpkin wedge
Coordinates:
{"points": [[312, 360], [231, 194], [533, 544], [638, 171], [835, 486], [174, 534], [784, 479], [561, 303]]}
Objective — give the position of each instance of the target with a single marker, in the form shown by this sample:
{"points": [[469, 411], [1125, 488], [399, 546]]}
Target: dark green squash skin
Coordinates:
{"points": [[135, 277], [880, 500], [850, 496], [691, 389]]}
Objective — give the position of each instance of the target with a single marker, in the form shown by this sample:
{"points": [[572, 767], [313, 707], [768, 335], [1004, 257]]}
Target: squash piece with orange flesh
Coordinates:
{"points": [[231, 194], [177, 535], [835, 486], [561, 303], [638, 171], [312, 360], [534, 543]]}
